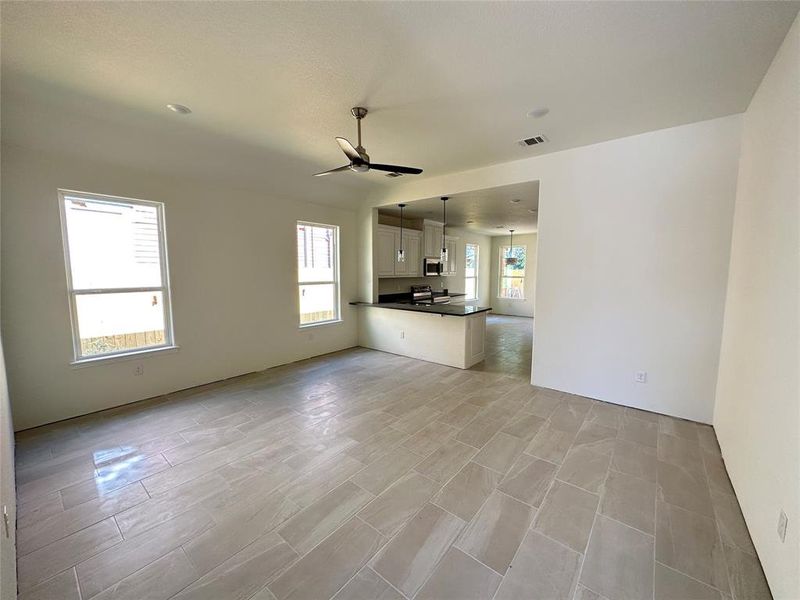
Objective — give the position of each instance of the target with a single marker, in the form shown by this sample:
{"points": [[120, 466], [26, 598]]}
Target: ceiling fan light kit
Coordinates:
{"points": [[359, 159]]}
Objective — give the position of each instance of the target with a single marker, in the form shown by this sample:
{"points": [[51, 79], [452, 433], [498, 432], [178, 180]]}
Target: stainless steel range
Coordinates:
{"points": [[423, 294]]}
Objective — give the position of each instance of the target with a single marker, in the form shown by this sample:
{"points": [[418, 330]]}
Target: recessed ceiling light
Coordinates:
{"points": [[538, 113], [179, 108], [514, 201]]}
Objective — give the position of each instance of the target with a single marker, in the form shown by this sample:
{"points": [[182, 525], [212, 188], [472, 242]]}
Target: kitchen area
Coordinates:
{"points": [[416, 318], [435, 281]]}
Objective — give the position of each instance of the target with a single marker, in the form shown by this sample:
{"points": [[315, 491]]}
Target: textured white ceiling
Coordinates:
{"points": [[491, 211], [448, 84]]}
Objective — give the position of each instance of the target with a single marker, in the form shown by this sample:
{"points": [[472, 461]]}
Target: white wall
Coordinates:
{"points": [[8, 492], [505, 306], [233, 272], [634, 242], [392, 285], [757, 414]]}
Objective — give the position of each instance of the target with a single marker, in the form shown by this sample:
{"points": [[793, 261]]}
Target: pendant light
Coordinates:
{"points": [[511, 259], [401, 254], [444, 227]]}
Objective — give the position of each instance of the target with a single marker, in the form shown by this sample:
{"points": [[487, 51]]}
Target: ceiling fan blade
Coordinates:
{"points": [[395, 169], [336, 170], [348, 149]]}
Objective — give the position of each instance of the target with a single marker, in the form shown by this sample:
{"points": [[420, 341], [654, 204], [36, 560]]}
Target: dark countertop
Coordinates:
{"points": [[455, 310]]}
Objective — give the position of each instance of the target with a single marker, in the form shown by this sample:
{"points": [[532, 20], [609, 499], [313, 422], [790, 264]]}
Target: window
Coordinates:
{"points": [[471, 272], [318, 273], [117, 277], [512, 277]]}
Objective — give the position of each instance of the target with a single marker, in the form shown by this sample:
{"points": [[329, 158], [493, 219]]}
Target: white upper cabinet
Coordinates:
{"points": [[432, 233], [451, 268], [388, 241]]}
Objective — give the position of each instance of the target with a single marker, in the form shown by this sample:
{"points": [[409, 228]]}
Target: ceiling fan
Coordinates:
{"points": [[359, 159]]}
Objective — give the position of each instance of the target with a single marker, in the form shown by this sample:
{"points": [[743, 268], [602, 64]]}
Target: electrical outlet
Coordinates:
{"points": [[402, 335], [640, 377], [138, 370], [783, 523]]}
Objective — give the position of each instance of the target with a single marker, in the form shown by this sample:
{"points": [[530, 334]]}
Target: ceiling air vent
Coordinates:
{"points": [[532, 141]]}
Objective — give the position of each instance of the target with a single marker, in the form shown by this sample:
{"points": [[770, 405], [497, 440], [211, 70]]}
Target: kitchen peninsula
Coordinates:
{"points": [[448, 334]]}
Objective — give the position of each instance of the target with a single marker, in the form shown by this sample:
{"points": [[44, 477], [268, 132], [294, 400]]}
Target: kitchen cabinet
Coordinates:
{"points": [[386, 256], [451, 268], [432, 234], [388, 242]]}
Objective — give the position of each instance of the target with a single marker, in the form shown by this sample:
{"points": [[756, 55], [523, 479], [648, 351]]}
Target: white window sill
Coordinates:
{"points": [[321, 324], [95, 361]]}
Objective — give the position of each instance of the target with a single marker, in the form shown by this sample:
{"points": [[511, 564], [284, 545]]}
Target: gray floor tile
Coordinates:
{"points": [[596, 437], [673, 585], [528, 480], [299, 448], [500, 452], [63, 586], [494, 534], [635, 459], [159, 580], [242, 575], [541, 567], [368, 585], [466, 492], [42, 564], [681, 452], [386, 470], [567, 514], [641, 432], [619, 561], [717, 474], [460, 577], [606, 415], [689, 542], [446, 461], [329, 566], [684, 488], [479, 431], [389, 511], [732, 527], [746, 577], [461, 415], [550, 444], [524, 426], [411, 556], [678, 427], [585, 469], [630, 500], [114, 564], [312, 525]]}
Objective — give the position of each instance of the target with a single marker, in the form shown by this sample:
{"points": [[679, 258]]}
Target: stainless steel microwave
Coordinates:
{"points": [[432, 267]]}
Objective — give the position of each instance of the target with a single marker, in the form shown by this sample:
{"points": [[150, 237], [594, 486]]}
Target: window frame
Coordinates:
{"points": [[336, 276], [72, 293], [477, 270], [501, 258]]}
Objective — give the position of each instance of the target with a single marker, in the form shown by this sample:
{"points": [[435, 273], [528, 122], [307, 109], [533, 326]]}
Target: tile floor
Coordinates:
{"points": [[372, 476], [509, 346]]}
